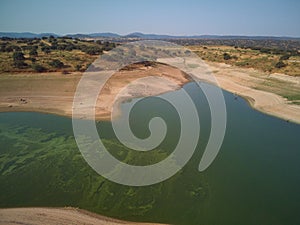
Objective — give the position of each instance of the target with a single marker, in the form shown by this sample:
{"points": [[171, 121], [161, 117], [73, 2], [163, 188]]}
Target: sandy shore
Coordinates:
{"points": [[53, 93], [245, 83], [54, 216]]}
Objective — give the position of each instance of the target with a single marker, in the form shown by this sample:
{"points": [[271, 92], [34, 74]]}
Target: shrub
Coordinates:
{"points": [[33, 52], [20, 64], [46, 49], [54, 45], [16, 48], [108, 46], [284, 57], [226, 56], [187, 52], [17, 56], [8, 49], [56, 63], [38, 68], [61, 47], [91, 50], [69, 47], [264, 50], [280, 64], [78, 67], [65, 72]]}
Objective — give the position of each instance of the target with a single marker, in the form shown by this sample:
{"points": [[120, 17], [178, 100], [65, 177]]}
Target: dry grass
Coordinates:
{"points": [[248, 58], [70, 58]]}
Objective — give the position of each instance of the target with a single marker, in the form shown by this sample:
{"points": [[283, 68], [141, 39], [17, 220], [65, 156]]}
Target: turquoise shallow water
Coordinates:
{"points": [[255, 178]]}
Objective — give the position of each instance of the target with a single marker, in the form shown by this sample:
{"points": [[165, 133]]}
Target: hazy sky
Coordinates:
{"points": [[189, 17]]}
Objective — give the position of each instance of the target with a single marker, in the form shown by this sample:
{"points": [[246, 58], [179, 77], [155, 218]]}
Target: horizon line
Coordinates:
{"points": [[163, 34]]}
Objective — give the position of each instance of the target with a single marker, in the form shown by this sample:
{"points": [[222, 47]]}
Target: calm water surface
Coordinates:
{"points": [[255, 179]]}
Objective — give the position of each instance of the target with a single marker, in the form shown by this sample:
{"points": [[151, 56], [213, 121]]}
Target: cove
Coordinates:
{"points": [[255, 178]]}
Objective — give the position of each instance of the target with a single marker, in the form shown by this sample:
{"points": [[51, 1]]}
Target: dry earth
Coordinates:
{"points": [[55, 216], [244, 82], [53, 92]]}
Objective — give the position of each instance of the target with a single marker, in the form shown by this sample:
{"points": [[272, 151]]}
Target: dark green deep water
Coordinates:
{"points": [[255, 179]]}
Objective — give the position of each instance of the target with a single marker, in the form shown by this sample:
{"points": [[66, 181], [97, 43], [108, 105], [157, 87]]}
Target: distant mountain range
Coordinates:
{"points": [[140, 35], [26, 35]]}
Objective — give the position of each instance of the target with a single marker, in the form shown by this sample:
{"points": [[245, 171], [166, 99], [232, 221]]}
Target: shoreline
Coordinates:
{"points": [[58, 215], [59, 101], [243, 82], [282, 105], [250, 101]]}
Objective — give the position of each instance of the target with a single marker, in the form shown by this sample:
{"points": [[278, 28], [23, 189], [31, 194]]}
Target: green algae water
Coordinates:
{"points": [[255, 178]]}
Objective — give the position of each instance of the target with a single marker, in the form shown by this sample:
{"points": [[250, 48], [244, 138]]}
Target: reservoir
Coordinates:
{"points": [[255, 178]]}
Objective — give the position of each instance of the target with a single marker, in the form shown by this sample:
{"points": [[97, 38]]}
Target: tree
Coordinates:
{"points": [[54, 45], [18, 56], [280, 64], [46, 49], [33, 52], [69, 47], [226, 56], [38, 68], [91, 50], [108, 46], [16, 48], [56, 63], [78, 67], [9, 48], [20, 64], [284, 57]]}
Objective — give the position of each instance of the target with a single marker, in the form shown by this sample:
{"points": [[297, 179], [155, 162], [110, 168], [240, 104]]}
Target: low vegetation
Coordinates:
{"points": [[66, 54], [49, 54], [266, 60]]}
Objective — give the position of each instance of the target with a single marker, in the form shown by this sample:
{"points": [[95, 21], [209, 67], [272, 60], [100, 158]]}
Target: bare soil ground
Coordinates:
{"points": [[268, 93], [49, 92], [54, 216], [53, 92]]}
